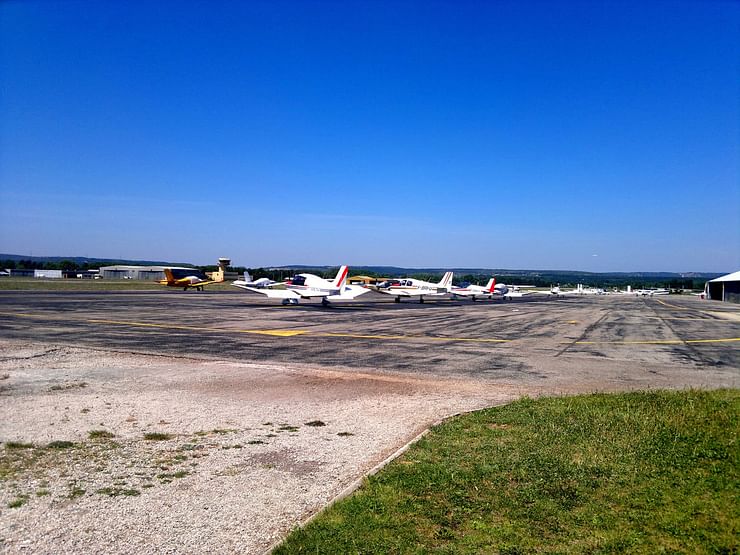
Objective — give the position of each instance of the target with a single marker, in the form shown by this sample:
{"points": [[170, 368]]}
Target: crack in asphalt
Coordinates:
{"points": [[585, 332]]}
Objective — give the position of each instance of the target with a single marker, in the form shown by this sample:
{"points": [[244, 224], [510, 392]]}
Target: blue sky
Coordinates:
{"points": [[598, 136]]}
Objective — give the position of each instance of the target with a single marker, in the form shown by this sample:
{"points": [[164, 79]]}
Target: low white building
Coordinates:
{"points": [[724, 288], [48, 274]]}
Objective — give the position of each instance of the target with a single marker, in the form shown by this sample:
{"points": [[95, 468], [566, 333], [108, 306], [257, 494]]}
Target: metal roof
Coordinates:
{"points": [[734, 276], [121, 267]]}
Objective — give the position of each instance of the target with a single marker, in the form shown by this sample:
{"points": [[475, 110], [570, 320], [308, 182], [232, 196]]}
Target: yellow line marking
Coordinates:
{"points": [[712, 340], [658, 342], [292, 333], [143, 324], [275, 333], [406, 337], [686, 319], [671, 305]]}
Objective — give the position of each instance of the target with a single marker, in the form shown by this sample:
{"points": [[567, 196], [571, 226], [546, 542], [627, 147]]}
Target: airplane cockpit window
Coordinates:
{"points": [[298, 280]]}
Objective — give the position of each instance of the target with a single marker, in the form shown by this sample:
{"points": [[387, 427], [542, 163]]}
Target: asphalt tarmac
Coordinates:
{"points": [[528, 341], [375, 374]]}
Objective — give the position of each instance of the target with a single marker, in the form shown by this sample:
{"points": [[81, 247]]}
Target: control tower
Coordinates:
{"points": [[220, 274]]}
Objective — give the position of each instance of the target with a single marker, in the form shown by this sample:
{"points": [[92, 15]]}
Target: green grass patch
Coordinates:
{"points": [[222, 431], [117, 491], [61, 444], [100, 434], [18, 502], [18, 445], [66, 386], [75, 491], [38, 284], [157, 436], [650, 472], [167, 476]]}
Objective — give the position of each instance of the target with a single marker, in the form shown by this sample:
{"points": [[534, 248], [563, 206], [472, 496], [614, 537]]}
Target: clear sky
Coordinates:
{"points": [[598, 136]]}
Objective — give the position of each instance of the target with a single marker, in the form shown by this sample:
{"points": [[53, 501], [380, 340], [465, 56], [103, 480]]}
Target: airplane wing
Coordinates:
{"points": [[396, 292], [470, 293], [185, 282], [349, 292], [270, 293], [260, 283]]}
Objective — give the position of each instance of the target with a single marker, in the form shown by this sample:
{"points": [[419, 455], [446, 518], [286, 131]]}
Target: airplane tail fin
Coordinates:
{"points": [[491, 285], [446, 281], [247, 276], [341, 279], [169, 276]]}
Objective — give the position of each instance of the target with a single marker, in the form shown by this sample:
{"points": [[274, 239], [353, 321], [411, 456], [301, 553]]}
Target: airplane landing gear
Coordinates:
{"points": [[324, 302], [398, 299]]}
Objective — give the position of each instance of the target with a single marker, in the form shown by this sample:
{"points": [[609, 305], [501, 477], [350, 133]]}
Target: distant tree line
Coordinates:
{"points": [[589, 280], [563, 279], [543, 279], [39, 265]]}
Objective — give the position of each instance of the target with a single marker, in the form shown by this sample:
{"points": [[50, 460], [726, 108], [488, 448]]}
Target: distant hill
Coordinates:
{"points": [[81, 260], [540, 278], [394, 271]]}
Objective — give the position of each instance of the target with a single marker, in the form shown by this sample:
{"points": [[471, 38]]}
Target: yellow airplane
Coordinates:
{"points": [[188, 279]]}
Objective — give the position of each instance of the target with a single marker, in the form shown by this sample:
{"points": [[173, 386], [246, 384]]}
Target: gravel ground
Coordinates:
{"points": [[237, 464], [239, 455]]}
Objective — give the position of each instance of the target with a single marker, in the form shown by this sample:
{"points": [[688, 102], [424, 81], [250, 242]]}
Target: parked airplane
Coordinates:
{"points": [[651, 292], [409, 287], [307, 286], [186, 278], [473, 291], [508, 291], [579, 290], [249, 282]]}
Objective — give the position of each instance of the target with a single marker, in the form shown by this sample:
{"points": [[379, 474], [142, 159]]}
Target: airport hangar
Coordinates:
{"points": [[724, 288], [156, 273], [149, 273]]}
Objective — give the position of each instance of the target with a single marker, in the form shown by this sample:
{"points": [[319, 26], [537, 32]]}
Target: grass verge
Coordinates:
{"points": [[36, 284], [643, 472]]}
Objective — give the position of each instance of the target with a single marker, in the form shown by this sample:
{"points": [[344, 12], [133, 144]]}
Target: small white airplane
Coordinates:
{"points": [[579, 290], [508, 292], [260, 283], [487, 292], [310, 286], [651, 292], [409, 287]]}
